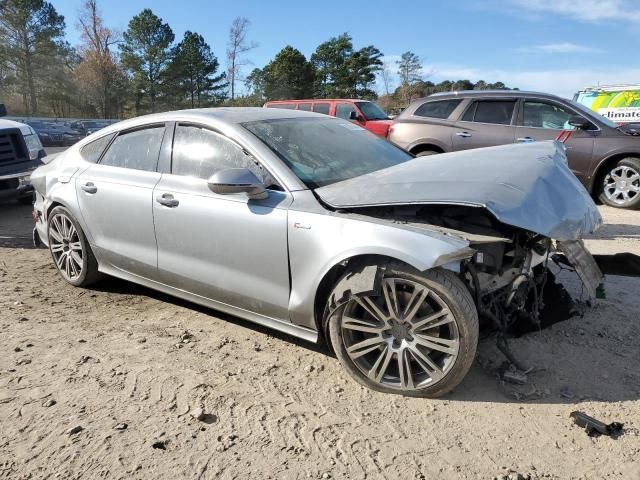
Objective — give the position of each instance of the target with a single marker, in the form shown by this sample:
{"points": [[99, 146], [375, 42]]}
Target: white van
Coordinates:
{"points": [[618, 103]]}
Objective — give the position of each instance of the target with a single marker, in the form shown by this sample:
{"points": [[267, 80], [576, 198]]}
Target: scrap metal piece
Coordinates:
{"points": [[584, 263], [595, 427]]}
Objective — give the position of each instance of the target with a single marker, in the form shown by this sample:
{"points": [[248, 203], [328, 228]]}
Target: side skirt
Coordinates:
{"points": [[273, 323]]}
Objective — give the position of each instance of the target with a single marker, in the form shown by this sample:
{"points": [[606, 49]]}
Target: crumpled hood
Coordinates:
{"points": [[526, 185]]}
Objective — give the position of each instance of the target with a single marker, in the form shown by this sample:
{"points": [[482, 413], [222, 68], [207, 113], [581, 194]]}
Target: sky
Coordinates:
{"points": [[555, 46]]}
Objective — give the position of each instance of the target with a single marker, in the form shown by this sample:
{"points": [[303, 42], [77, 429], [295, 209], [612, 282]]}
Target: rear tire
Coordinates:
{"points": [[70, 250], [620, 185], [392, 350]]}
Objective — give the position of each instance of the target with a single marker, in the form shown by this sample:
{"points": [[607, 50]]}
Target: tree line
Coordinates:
{"points": [[144, 69]]}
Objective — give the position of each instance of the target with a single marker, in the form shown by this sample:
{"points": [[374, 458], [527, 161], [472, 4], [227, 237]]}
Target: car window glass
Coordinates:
{"points": [[91, 151], [545, 115], [199, 152], [304, 106], [321, 108], [137, 150], [490, 111], [343, 110], [439, 109], [287, 106]]}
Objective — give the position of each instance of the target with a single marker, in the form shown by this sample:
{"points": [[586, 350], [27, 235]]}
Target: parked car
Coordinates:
{"points": [[55, 135], [312, 226], [363, 112], [603, 155], [87, 127], [20, 154]]}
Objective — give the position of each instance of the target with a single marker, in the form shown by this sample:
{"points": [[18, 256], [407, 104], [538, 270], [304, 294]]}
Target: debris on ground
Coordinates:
{"points": [[74, 430], [595, 427], [515, 376]]}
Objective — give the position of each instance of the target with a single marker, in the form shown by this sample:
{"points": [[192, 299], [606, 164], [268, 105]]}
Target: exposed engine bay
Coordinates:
{"points": [[507, 271]]}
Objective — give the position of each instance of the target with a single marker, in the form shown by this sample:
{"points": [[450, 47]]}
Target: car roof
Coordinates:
{"points": [[224, 114], [487, 93], [319, 100]]}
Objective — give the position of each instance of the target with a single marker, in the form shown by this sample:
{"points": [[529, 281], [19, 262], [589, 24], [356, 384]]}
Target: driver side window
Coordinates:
{"points": [[540, 114], [199, 152]]}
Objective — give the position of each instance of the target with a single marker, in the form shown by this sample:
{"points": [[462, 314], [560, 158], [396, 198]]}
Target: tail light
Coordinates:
{"points": [[389, 130]]}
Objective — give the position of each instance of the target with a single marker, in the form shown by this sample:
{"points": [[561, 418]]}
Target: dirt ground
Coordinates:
{"points": [[108, 382]]}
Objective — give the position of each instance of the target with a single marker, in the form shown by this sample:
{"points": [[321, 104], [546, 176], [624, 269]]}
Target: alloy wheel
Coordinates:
{"points": [[622, 185], [405, 339], [66, 247]]}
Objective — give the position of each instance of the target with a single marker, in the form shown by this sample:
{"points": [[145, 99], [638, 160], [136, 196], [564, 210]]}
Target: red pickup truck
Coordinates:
{"points": [[363, 112]]}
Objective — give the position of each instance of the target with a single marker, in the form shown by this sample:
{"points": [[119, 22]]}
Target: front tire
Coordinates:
{"points": [[620, 185], [418, 337], [70, 250]]}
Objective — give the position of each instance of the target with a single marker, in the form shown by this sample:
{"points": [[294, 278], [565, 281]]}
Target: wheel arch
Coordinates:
{"points": [[421, 147], [333, 276]]}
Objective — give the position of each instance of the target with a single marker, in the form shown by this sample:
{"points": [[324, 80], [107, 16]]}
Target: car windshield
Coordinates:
{"points": [[371, 111], [322, 151], [591, 114]]}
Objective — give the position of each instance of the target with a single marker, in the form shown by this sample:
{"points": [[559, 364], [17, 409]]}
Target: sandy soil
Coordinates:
{"points": [[122, 382]]}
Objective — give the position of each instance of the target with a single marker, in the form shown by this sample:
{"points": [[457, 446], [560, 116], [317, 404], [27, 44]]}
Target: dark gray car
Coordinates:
{"points": [[603, 155]]}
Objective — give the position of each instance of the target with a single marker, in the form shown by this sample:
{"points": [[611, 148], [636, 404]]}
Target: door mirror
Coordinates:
{"points": [[353, 115], [237, 180], [579, 122], [3, 110]]}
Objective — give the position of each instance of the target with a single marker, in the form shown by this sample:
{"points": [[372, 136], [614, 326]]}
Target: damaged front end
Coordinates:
{"points": [[506, 268]]}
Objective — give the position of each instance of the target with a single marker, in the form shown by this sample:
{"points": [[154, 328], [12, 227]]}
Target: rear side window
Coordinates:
{"points": [[287, 106], [321, 108], [343, 110], [304, 106], [199, 152], [138, 150], [439, 109], [490, 111], [91, 151]]}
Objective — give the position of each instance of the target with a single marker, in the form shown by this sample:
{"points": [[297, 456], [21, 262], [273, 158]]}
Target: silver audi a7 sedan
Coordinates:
{"points": [[314, 226]]}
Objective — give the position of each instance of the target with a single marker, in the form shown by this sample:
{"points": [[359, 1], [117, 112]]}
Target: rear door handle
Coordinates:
{"points": [[89, 187], [525, 139], [463, 134], [167, 200]]}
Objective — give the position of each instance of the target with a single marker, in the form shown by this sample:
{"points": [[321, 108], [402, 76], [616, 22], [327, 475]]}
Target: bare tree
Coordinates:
{"points": [[237, 47], [387, 77], [99, 73]]}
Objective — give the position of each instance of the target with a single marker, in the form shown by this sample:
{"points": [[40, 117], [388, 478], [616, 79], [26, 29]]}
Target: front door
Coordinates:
{"points": [[226, 248], [546, 120], [485, 123], [115, 198]]}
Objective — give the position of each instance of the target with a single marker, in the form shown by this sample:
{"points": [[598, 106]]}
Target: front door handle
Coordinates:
{"points": [[463, 134], [89, 187], [167, 200], [525, 139]]}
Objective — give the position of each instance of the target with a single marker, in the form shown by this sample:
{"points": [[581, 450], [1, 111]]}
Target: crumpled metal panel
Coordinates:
{"points": [[526, 185], [584, 263]]}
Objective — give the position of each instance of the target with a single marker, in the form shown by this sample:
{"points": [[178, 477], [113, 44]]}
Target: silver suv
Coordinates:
{"points": [[603, 155]]}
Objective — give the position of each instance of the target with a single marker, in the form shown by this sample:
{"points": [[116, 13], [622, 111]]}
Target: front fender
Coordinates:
{"points": [[319, 241]]}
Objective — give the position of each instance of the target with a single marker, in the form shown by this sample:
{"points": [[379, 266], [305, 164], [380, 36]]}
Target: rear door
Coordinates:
{"points": [[485, 122], [542, 119], [115, 198]]}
